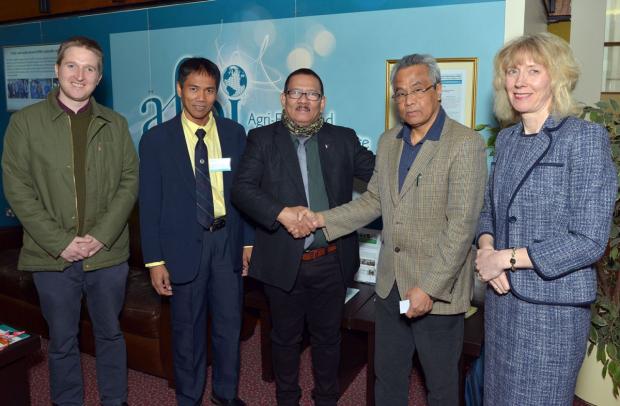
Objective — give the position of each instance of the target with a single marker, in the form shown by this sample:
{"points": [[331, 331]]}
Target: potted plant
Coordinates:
{"points": [[605, 327]]}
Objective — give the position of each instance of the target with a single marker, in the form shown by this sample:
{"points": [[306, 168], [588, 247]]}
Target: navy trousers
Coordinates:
{"points": [[60, 295], [216, 290]]}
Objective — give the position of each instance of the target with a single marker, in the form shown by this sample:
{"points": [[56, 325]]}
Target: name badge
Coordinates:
{"points": [[219, 165]]}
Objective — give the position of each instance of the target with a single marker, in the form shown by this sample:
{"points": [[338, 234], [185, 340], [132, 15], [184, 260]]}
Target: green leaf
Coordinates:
{"points": [[491, 140], [614, 104], [600, 354], [604, 371], [614, 252], [593, 337], [612, 351], [597, 320], [614, 370], [480, 127]]}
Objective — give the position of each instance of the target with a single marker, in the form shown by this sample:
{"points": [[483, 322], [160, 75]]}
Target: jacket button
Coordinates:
{"points": [[512, 219], [397, 249]]}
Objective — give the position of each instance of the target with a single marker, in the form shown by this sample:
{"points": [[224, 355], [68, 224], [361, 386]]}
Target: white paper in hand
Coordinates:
{"points": [[404, 306]]}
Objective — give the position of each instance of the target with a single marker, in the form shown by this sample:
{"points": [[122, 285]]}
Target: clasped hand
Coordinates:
{"points": [[489, 268], [300, 221], [80, 248]]}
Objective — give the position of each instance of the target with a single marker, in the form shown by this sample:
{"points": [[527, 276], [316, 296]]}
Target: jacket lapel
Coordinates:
{"points": [[423, 159], [394, 152], [179, 154], [228, 151], [507, 168], [324, 141], [421, 163], [289, 156]]}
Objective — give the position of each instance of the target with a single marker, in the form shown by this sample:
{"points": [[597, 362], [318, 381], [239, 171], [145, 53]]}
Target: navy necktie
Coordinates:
{"points": [[204, 194]]}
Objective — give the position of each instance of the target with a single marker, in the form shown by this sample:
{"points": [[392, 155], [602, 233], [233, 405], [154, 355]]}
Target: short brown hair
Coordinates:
{"points": [[555, 55], [82, 42]]}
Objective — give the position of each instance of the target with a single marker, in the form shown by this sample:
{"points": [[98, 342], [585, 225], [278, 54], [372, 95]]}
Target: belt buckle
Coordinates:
{"points": [[217, 224]]}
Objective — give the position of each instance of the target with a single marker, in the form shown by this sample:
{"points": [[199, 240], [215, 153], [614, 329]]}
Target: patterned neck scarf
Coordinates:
{"points": [[298, 130]]}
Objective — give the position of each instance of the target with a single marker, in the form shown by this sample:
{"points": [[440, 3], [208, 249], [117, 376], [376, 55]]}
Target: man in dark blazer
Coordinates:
{"points": [[192, 238], [301, 161]]}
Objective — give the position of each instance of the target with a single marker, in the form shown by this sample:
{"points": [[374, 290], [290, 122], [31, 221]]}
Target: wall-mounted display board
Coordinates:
{"points": [[28, 74]]}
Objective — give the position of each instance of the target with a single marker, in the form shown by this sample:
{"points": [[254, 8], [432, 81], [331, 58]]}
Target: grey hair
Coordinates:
{"points": [[418, 59]]}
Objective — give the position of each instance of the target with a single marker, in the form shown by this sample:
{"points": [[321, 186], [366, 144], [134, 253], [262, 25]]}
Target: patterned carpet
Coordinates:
{"points": [[148, 390]]}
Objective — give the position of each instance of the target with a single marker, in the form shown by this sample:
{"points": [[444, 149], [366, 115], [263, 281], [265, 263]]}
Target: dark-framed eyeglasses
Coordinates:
{"points": [[401, 95], [297, 94]]}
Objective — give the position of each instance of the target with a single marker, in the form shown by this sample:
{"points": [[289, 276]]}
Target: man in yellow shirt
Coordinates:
{"points": [[192, 238]]}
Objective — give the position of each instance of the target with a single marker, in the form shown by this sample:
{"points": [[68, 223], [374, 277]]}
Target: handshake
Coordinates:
{"points": [[300, 221]]}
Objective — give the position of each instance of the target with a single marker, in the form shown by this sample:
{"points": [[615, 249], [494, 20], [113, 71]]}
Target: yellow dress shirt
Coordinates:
{"points": [[212, 140]]}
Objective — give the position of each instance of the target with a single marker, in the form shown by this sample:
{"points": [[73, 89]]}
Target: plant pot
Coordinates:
{"points": [[591, 386]]}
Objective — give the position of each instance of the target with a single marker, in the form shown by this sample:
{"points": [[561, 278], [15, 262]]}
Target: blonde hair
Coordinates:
{"points": [[555, 55], [82, 42]]}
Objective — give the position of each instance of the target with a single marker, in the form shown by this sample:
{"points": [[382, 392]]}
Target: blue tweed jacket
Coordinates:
{"points": [[556, 198]]}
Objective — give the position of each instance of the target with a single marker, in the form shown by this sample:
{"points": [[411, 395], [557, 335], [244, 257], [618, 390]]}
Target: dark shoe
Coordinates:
{"points": [[216, 400]]}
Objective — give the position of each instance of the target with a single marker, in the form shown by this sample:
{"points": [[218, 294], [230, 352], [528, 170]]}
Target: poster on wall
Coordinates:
{"points": [[28, 74], [255, 57]]}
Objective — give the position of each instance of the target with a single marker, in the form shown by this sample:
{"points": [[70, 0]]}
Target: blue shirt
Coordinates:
{"points": [[410, 151]]}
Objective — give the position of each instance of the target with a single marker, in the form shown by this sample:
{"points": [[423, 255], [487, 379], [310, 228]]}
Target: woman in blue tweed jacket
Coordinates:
{"points": [[545, 222]]}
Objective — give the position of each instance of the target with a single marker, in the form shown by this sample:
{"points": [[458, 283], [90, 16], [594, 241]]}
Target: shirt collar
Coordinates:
{"points": [[432, 134], [193, 126], [68, 110]]}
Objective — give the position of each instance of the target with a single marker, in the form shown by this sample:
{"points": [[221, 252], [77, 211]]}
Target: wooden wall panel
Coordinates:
{"points": [[24, 9], [13, 11]]}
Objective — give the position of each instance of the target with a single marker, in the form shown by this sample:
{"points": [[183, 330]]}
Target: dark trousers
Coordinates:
{"points": [[438, 340], [60, 295], [217, 291], [318, 298]]}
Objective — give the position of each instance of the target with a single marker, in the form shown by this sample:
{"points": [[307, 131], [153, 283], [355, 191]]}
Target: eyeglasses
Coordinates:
{"points": [[296, 94], [401, 95]]}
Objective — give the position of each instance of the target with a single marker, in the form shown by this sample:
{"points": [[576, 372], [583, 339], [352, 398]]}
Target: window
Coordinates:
{"points": [[611, 55]]}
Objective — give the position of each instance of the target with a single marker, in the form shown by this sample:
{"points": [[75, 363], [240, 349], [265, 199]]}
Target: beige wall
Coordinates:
{"points": [[524, 17], [587, 35]]}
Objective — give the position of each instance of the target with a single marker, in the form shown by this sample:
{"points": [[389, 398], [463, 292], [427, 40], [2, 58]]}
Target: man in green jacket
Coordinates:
{"points": [[70, 174]]}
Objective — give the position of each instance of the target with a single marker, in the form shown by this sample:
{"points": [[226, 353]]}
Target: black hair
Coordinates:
{"points": [[304, 71], [198, 65]]}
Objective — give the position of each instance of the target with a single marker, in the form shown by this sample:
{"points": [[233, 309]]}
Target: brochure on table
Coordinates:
{"points": [[370, 243], [9, 335]]}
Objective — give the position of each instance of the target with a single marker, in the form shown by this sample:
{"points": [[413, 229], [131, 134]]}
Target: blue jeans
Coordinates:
{"points": [[60, 295]]}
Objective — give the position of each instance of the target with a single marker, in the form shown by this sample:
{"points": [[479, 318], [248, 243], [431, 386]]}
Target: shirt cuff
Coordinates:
{"points": [[248, 246], [152, 264]]}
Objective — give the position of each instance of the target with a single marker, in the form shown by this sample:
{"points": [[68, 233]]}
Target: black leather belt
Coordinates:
{"points": [[218, 223]]}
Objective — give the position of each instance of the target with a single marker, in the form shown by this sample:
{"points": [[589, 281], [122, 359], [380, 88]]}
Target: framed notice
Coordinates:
{"points": [[370, 244], [458, 97], [28, 74]]}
